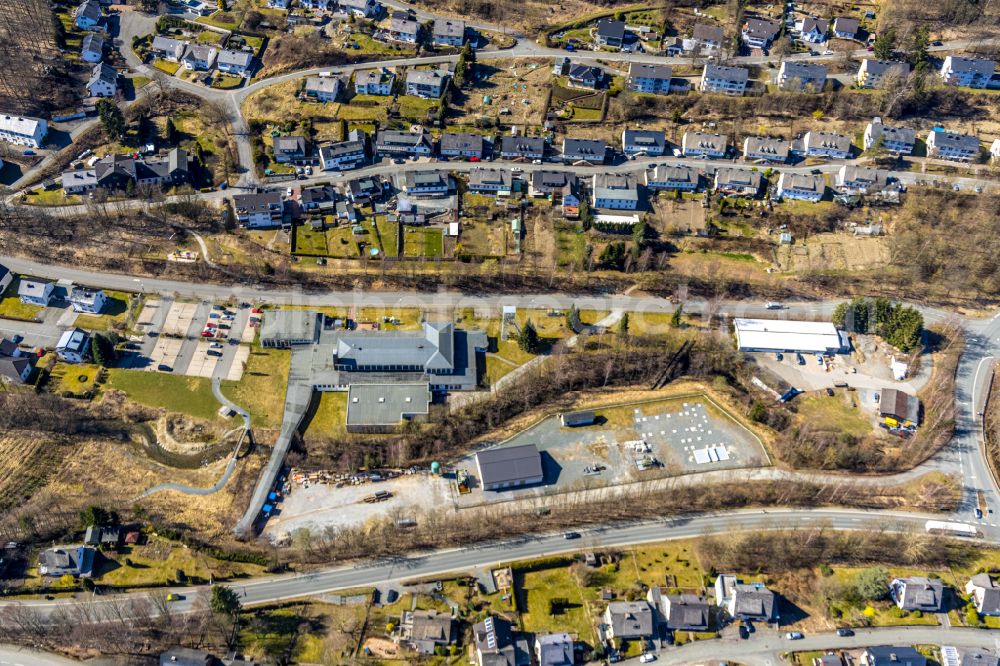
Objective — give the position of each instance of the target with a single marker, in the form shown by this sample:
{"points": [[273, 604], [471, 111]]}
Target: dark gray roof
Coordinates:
{"points": [[436, 179], [432, 348], [900, 405], [290, 144], [580, 72], [811, 23], [738, 178], [289, 325], [611, 29], [385, 404], [638, 70], [664, 173], [890, 655], [495, 640], [630, 618], [917, 592], [90, 9], [655, 139], [342, 148], [398, 138], [762, 145], [754, 601], [449, 28], [957, 141], [975, 65], [509, 464], [462, 141], [726, 73], [13, 368], [103, 72], [554, 649], [844, 24], [231, 57], [585, 148], [803, 70], [687, 612], [704, 32], [803, 182], [546, 180], [258, 202], [502, 177], [828, 141], [991, 593], [761, 28], [318, 194], [92, 43], [879, 67], [522, 144]]}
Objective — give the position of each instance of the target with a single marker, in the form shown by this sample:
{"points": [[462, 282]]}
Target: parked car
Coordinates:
{"points": [[744, 633], [771, 305], [646, 658], [571, 535], [779, 357], [979, 512], [216, 345], [819, 359], [800, 359], [794, 635], [845, 631]]}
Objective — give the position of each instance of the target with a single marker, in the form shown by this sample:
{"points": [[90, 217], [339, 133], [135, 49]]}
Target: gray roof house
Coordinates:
{"points": [[985, 593], [585, 76], [426, 83], [917, 593], [289, 148], [952, 146], [168, 48], [495, 644], [741, 182], [35, 292], [67, 561], [679, 177], [968, 72], [646, 78], [629, 620], [644, 142], [697, 144], [490, 181], [462, 144], [759, 33], [680, 612], [200, 57], [234, 62], [724, 79], [428, 183], [845, 28], [545, 182], [794, 75], [593, 151], [92, 48], [707, 36], [801, 186], [394, 142], [282, 329], [860, 180], [899, 140], [324, 88], [103, 81], [745, 601], [827, 144], [87, 300], [610, 33], [892, 655], [509, 467], [448, 32], [88, 14], [616, 191], [554, 649], [872, 72], [766, 148], [425, 630], [522, 147]]}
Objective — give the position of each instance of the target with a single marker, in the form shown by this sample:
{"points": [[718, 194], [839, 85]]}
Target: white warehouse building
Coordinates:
{"points": [[782, 335]]}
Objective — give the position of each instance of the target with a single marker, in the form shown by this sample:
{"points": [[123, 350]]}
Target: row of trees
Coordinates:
{"points": [[899, 325]]}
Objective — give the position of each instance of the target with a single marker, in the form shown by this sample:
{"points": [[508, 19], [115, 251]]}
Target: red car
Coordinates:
{"points": [[206, 334], [473, 159]]}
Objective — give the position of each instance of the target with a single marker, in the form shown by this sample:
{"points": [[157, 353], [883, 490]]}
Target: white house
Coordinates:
{"points": [[846, 28], [827, 144], [967, 72], [362, 8], [801, 186], [343, 155], [897, 140], [426, 83], [88, 15], [200, 57], [89, 301], [738, 182], [92, 48], [404, 27], [952, 146], [795, 75], [759, 33], [490, 181], [615, 191], [374, 82], [873, 72], [644, 78], [814, 29], [860, 180], [35, 292], [724, 79], [995, 149], [262, 209], [103, 81], [448, 32], [323, 88], [233, 62], [704, 144], [73, 346], [666, 177], [168, 48], [757, 148], [23, 130], [984, 593]]}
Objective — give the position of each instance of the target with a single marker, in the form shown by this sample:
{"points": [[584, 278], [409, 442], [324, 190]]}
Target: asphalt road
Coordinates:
{"points": [[15, 656]]}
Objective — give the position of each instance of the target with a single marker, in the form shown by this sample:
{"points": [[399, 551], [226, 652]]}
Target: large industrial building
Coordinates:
{"points": [[510, 467], [782, 335]]}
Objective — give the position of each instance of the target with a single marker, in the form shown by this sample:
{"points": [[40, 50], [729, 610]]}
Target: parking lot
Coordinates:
{"points": [[179, 319]]}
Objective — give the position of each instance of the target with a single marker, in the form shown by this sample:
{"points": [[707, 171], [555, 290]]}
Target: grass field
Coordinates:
{"points": [[166, 66], [309, 241], [835, 412], [536, 589], [158, 562], [11, 306], [174, 393], [262, 389], [25, 465], [423, 242], [74, 379], [51, 198], [330, 415], [226, 82]]}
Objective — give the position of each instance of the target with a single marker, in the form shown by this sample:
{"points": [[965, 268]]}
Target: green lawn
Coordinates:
{"points": [[308, 241], [75, 379], [51, 198], [535, 589], [114, 315], [226, 82], [837, 412], [174, 393], [374, 110], [423, 242], [158, 561], [166, 66], [415, 108], [330, 415], [209, 37], [224, 20], [262, 389], [11, 306]]}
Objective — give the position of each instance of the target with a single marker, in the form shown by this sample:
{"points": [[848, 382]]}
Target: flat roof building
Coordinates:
{"points": [[510, 467], [284, 328], [782, 335], [382, 407]]}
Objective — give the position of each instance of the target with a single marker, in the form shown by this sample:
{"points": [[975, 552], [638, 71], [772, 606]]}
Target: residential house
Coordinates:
{"points": [[427, 183], [364, 190], [346, 211], [846, 28], [629, 620], [738, 182], [765, 148], [426, 83], [462, 144], [494, 643], [705, 37], [984, 592], [262, 209], [652, 143], [615, 191], [77, 561], [424, 631], [666, 177], [699, 144], [759, 33], [892, 655], [745, 601], [593, 151], [653, 79], [6, 277], [361, 8], [233, 62], [873, 72], [724, 79], [88, 301], [814, 30], [318, 198], [952, 146], [395, 143], [23, 130], [827, 144], [13, 366], [585, 76], [404, 27], [318, 5], [341, 156], [917, 593], [168, 48], [323, 88], [860, 180], [279, 4], [92, 48], [522, 148], [374, 82], [448, 32], [680, 612], [610, 33], [554, 649], [897, 140], [801, 186], [170, 169], [103, 81], [490, 181], [546, 183], [88, 15], [79, 181], [289, 149], [35, 292], [200, 57], [796, 75], [73, 346], [967, 72]]}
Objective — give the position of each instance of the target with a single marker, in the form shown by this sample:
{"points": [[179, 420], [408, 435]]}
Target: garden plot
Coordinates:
{"points": [[505, 85]]}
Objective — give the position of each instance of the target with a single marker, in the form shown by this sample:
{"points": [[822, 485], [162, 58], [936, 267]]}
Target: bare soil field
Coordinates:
{"points": [[837, 251], [506, 84]]}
